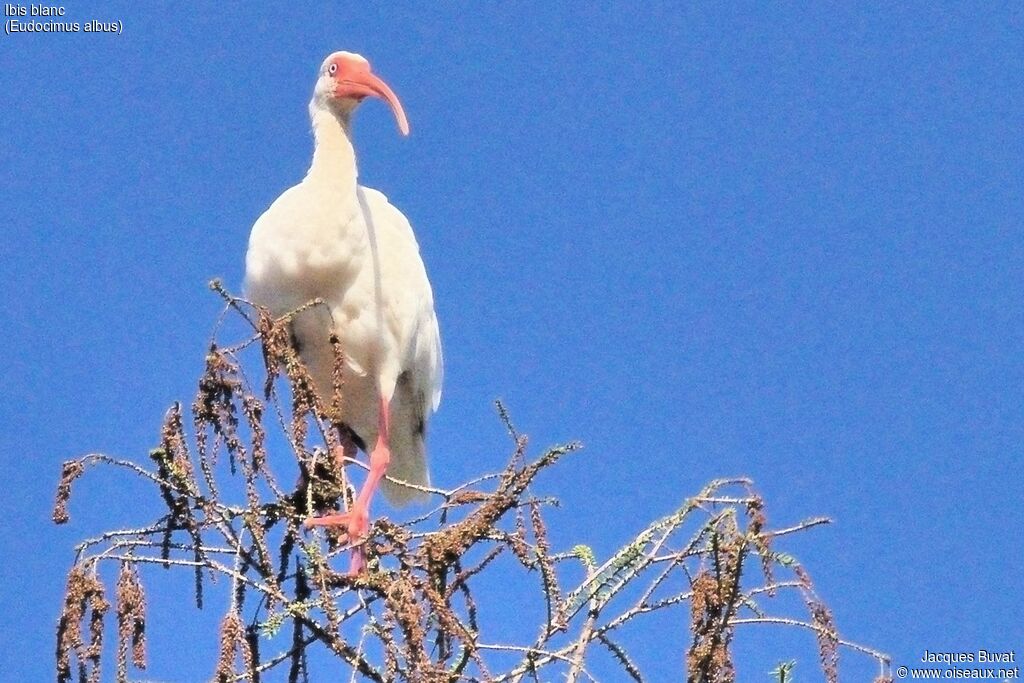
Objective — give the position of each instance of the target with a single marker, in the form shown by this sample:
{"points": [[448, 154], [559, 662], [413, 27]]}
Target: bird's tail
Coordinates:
{"points": [[408, 446]]}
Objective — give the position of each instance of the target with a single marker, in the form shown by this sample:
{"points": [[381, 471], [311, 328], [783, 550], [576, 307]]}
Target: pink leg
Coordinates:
{"points": [[357, 520]]}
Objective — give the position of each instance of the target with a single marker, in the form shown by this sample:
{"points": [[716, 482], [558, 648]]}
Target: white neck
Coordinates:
{"points": [[334, 157]]}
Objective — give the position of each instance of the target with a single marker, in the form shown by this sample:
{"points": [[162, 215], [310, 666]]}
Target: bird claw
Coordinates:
{"points": [[356, 523]]}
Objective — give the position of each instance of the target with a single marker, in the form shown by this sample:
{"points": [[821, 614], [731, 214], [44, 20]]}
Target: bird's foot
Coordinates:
{"points": [[356, 525]]}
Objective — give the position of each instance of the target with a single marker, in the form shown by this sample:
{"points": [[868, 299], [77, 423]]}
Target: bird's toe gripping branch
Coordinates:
{"points": [[356, 523]]}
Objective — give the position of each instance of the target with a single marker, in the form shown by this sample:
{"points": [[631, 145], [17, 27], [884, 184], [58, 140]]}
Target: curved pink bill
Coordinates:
{"points": [[366, 84]]}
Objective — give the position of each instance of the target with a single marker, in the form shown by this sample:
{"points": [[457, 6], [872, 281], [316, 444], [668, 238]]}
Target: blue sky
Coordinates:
{"points": [[780, 242]]}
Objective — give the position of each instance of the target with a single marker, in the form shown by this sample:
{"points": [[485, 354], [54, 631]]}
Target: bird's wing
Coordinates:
{"points": [[423, 359], [435, 361]]}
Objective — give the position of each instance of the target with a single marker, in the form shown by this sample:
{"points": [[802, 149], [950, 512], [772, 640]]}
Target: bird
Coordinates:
{"points": [[330, 238]]}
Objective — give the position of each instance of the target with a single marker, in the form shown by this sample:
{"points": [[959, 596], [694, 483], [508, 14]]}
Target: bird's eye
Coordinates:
{"points": [[332, 69]]}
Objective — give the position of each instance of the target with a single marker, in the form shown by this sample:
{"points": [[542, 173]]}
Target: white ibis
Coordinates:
{"points": [[329, 237]]}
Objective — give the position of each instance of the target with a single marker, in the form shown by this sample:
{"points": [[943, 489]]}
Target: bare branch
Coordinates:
{"points": [[415, 613]]}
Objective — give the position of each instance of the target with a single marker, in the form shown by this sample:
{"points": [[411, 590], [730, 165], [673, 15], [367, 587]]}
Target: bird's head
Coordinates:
{"points": [[345, 80]]}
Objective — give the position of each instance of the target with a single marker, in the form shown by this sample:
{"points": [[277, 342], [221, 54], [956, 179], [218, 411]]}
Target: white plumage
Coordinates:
{"points": [[331, 238]]}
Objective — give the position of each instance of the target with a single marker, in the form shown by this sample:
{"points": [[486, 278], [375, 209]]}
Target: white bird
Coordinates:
{"points": [[331, 238]]}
